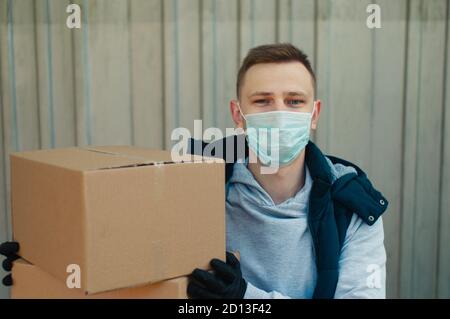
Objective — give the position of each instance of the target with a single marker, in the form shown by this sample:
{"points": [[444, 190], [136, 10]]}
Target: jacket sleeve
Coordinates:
{"points": [[362, 265], [253, 292]]}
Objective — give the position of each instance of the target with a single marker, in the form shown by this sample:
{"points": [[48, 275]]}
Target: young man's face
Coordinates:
{"points": [[276, 87]]}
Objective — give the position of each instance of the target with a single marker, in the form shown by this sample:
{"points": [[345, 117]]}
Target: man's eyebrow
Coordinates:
{"points": [[295, 93], [261, 93]]}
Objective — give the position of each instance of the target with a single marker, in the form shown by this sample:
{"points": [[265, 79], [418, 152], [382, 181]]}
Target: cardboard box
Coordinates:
{"points": [[126, 215], [31, 282]]}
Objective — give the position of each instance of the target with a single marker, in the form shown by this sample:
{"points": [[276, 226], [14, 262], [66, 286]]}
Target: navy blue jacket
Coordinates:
{"points": [[331, 204]]}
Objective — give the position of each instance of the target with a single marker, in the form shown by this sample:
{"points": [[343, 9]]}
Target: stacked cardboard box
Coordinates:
{"points": [[32, 282], [122, 216]]}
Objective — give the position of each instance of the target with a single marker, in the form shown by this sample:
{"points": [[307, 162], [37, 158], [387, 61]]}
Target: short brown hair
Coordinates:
{"points": [[273, 53]]}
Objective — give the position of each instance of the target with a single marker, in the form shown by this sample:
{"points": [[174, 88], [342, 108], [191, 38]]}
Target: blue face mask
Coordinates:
{"points": [[278, 137]]}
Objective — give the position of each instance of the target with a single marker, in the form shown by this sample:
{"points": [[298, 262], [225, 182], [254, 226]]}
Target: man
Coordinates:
{"points": [[310, 229]]}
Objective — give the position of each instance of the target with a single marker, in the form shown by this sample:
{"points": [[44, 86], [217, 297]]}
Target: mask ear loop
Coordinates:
{"points": [[243, 116], [240, 111], [314, 109]]}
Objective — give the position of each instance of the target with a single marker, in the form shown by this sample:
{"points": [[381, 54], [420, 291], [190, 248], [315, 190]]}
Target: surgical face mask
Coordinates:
{"points": [[277, 137]]}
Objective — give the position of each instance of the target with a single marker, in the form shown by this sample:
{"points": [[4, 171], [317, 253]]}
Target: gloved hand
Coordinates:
{"points": [[9, 250], [225, 282]]}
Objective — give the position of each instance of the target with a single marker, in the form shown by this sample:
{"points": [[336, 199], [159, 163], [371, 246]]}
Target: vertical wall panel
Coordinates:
{"points": [[423, 148], [55, 74], [109, 70], [258, 23], [296, 24], [386, 117], [82, 77], [21, 117], [220, 61], [22, 114], [344, 79], [146, 59], [182, 65], [19, 91], [102, 73], [4, 98], [4, 293], [444, 251], [19, 88]]}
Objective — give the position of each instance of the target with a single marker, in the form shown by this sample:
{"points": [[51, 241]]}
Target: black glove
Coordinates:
{"points": [[9, 250], [226, 282]]}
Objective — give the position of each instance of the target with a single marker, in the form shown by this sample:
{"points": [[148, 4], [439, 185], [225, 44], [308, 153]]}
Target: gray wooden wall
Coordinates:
{"points": [[137, 69]]}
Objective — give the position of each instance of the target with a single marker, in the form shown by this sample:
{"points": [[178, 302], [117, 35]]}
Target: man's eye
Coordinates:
{"points": [[295, 102], [262, 101]]}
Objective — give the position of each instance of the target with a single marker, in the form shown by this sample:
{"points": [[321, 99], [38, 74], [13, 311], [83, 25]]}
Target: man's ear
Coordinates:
{"points": [[236, 114], [315, 118]]}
